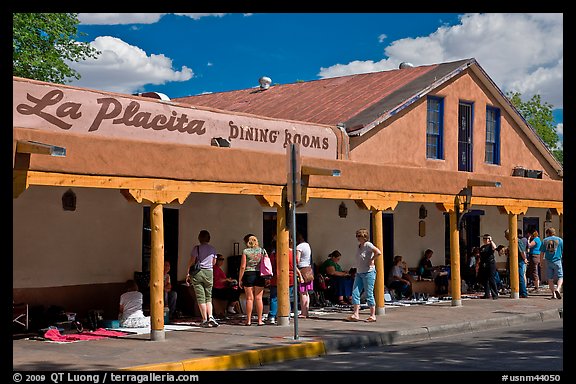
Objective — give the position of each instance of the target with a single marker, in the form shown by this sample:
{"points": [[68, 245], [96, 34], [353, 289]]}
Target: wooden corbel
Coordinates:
{"points": [[269, 200], [513, 209], [155, 196], [376, 204]]}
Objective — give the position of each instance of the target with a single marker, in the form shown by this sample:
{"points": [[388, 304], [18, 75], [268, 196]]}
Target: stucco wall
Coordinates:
{"points": [[100, 242], [408, 243], [402, 139]]}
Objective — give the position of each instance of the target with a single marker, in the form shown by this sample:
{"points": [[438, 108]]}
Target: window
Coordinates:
{"points": [[434, 128], [492, 135]]}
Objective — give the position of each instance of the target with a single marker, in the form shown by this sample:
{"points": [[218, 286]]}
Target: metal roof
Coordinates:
{"points": [[355, 100]]}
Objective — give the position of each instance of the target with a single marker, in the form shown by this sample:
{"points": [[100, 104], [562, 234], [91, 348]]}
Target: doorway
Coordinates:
{"points": [[469, 234], [269, 228], [529, 225], [170, 240]]}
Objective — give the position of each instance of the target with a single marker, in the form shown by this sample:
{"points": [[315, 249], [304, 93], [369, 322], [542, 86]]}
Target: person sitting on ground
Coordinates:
{"points": [[427, 271], [399, 281], [170, 296], [225, 288], [130, 313], [342, 281]]}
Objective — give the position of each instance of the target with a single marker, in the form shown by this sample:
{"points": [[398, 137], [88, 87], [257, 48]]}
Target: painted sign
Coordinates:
{"points": [[48, 106]]}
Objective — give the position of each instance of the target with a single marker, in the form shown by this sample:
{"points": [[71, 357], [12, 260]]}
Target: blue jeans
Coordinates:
{"points": [[274, 300], [521, 273], [364, 281]]}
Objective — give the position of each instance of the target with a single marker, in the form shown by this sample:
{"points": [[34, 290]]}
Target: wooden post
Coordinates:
{"points": [[513, 256], [156, 273], [282, 266], [378, 236], [455, 284]]}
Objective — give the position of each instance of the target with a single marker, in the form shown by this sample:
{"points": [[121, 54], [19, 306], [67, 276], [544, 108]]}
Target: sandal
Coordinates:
{"points": [[370, 320], [352, 318]]}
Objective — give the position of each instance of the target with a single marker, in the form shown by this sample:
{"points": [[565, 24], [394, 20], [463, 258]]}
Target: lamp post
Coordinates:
{"points": [[294, 195]]}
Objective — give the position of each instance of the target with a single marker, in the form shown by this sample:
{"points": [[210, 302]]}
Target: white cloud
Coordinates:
{"points": [[560, 132], [520, 52], [381, 38], [197, 16], [124, 68], [119, 18], [134, 18]]}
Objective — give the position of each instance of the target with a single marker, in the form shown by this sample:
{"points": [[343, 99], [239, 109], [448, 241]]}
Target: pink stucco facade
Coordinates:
{"points": [[401, 140]]}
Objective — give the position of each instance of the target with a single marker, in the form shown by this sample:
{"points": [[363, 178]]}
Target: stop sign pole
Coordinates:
{"points": [[294, 196]]}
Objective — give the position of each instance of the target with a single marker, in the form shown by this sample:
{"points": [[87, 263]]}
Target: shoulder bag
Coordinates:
{"points": [[307, 274], [196, 267], [266, 266]]}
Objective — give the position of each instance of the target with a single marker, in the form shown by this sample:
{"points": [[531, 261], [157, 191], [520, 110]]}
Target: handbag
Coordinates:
{"points": [[266, 266], [196, 266], [307, 274]]}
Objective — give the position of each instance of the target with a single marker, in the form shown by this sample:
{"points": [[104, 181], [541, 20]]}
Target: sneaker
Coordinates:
{"points": [[213, 322], [271, 320], [557, 294], [231, 310], [205, 324]]}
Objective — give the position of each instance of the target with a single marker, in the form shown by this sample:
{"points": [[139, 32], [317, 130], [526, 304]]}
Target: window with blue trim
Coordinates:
{"points": [[435, 128], [492, 155]]}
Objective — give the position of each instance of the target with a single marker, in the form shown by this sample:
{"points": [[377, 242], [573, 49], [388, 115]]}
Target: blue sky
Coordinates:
{"points": [[189, 54]]}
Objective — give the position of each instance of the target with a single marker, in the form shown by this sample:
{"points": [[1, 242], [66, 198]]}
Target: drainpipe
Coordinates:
{"points": [[345, 142]]}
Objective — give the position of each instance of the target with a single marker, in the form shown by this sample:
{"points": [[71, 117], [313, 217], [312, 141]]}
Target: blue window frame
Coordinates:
{"points": [[435, 128], [492, 155]]}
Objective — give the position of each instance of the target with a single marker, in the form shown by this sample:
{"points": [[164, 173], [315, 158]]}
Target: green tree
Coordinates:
{"points": [[43, 42], [539, 115]]}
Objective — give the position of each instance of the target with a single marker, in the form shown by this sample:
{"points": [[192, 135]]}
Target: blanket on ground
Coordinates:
{"points": [[100, 333]]}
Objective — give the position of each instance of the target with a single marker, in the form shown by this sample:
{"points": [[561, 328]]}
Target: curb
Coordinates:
{"points": [[307, 349]]}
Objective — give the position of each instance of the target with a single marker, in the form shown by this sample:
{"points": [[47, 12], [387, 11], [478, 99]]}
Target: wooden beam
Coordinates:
{"points": [[26, 146], [119, 182], [19, 182]]}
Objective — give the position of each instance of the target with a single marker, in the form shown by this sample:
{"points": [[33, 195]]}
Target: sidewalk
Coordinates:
{"points": [[233, 346]]}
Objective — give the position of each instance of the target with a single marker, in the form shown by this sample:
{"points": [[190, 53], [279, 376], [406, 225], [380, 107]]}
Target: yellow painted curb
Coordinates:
{"points": [[174, 366], [291, 352], [245, 359]]}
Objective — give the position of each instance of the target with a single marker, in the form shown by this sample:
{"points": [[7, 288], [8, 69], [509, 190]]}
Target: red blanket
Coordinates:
{"points": [[100, 333]]}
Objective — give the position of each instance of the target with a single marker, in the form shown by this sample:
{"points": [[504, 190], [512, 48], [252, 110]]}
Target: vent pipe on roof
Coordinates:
{"points": [[405, 64], [153, 95], [265, 82]]}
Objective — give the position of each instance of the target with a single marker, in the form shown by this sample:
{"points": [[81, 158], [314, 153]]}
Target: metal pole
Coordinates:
{"points": [[293, 231]]}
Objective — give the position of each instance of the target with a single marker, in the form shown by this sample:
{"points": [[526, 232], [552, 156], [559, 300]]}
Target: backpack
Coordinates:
{"points": [[551, 246]]}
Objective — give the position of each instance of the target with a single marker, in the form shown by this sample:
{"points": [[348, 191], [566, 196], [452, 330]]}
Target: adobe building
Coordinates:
{"points": [[108, 185]]}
